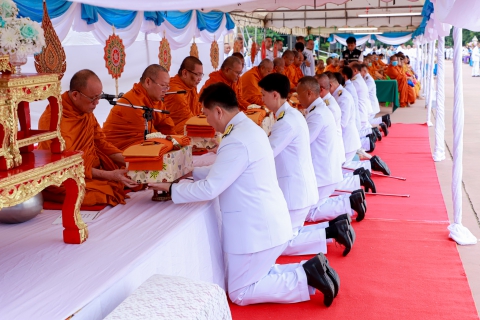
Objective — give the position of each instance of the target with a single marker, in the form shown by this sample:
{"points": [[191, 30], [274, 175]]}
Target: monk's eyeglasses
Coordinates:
{"points": [[238, 73], [164, 87], [92, 100], [198, 75]]}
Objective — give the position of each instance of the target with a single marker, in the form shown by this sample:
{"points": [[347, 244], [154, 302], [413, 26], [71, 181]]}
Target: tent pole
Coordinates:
{"points": [[439, 152], [458, 232], [430, 83]]}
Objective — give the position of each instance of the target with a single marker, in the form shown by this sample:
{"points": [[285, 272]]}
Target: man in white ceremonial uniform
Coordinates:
{"points": [[243, 51], [367, 137], [326, 157], [351, 140], [290, 143], [255, 220], [308, 66], [364, 99], [372, 93]]}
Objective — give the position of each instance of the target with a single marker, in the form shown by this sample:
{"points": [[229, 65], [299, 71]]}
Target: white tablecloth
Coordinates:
{"points": [[44, 278]]}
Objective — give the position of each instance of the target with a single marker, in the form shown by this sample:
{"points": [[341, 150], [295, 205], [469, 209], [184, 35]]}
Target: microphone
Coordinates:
{"points": [[111, 96], [176, 92]]}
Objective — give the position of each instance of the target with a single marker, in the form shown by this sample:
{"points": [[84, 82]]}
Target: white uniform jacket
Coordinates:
{"points": [[351, 139], [255, 216], [353, 92], [372, 93], [290, 143], [258, 57], [364, 106], [334, 108], [323, 137]]}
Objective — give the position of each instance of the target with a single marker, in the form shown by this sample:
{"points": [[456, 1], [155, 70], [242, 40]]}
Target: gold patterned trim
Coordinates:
{"points": [[31, 80], [37, 139]]}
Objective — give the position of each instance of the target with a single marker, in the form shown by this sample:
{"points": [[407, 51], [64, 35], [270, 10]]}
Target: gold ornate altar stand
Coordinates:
{"points": [[24, 172]]}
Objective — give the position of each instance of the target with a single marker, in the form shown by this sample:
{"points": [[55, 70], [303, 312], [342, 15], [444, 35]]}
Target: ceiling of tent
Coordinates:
{"points": [[325, 18]]}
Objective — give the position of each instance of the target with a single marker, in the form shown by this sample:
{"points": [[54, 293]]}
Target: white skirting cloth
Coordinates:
{"points": [[375, 121], [166, 297], [44, 277]]}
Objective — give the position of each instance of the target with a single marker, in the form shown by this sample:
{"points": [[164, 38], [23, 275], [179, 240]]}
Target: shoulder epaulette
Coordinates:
{"points": [[227, 132], [327, 102], [339, 93], [312, 109], [282, 114]]}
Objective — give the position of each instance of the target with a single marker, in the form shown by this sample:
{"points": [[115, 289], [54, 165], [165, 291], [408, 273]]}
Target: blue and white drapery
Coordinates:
{"points": [[178, 27], [342, 38], [391, 38]]}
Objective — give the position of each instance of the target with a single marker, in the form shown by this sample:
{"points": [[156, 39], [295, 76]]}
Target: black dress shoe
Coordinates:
{"points": [[379, 165], [359, 207], [333, 275], [360, 192], [386, 120], [358, 171], [372, 139], [377, 133], [345, 235], [316, 271], [384, 129], [367, 182]]}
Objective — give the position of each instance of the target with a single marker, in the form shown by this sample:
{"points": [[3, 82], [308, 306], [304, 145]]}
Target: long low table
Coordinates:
{"points": [[387, 91], [43, 278]]}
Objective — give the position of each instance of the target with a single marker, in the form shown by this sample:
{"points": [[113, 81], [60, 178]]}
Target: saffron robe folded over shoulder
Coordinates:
{"points": [[407, 94], [126, 126], [217, 76], [250, 89], [291, 73], [82, 132], [182, 106], [331, 68]]}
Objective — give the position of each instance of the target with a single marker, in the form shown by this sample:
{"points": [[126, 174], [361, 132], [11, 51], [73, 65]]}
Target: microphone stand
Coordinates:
{"points": [[147, 113]]}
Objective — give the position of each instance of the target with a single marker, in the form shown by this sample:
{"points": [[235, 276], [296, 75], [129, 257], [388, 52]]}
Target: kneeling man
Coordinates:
{"points": [[255, 220]]}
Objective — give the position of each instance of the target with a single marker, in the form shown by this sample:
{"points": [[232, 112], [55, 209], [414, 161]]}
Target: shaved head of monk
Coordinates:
{"points": [[85, 90], [155, 80], [288, 56], [265, 67], [191, 71], [279, 65], [232, 68]]}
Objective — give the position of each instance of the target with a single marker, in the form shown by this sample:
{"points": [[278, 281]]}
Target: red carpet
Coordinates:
{"points": [[402, 265]]}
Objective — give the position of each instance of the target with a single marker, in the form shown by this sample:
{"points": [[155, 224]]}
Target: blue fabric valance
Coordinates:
{"points": [[210, 21]]}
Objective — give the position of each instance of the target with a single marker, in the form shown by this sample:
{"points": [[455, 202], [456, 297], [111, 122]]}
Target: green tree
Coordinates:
{"points": [[467, 36]]}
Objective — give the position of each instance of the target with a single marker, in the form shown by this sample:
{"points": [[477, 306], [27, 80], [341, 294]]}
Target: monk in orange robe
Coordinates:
{"points": [[297, 62], [320, 67], [125, 126], [279, 65], [332, 65], [290, 69], [103, 177], [394, 71], [250, 89], [185, 106], [229, 74]]}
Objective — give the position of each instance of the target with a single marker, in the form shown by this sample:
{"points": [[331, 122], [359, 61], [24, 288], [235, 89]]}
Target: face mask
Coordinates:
{"points": [[394, 63], [369, 64]]}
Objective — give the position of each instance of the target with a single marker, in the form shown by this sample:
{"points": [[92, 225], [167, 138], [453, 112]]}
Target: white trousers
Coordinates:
{"points": [[365, 143], [364, 132], [350, 155], [350, 182], [475, 68], [255, 278], [375, 121], [306, 239], [366, 164], [329, 208]]}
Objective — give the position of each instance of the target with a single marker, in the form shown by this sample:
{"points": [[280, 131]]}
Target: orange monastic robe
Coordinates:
{"points": [[250, 89], [319, 70], [291, 74], [407, 94], [182, 106], [331, 68], [125, 126], [217, 76], [82, 132]]}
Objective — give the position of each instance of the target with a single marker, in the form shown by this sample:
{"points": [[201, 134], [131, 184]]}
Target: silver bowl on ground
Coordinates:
{"points": [[23, 211]]}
